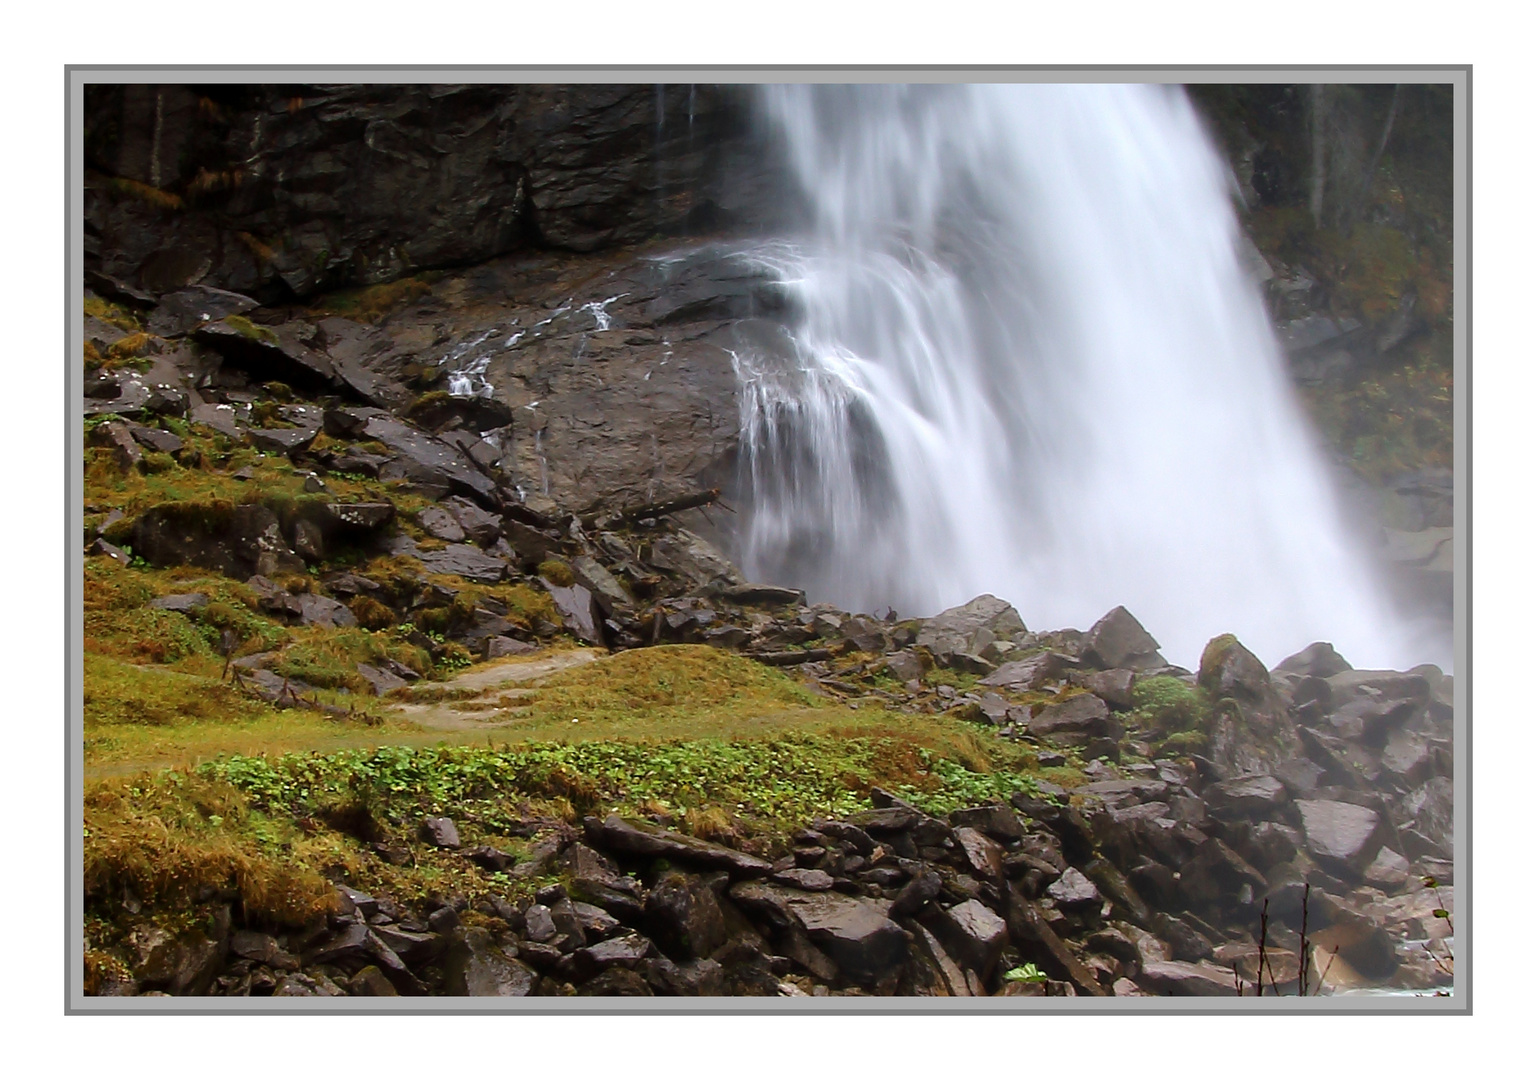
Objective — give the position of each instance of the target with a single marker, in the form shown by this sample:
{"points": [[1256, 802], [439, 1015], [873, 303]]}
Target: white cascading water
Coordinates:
{"points": [[1028, 361]]}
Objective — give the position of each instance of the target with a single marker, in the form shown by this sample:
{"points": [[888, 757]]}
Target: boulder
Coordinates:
{"points": [[1340, 833], [805, 879], [684, 918], [237, 541], [180, 312], [465, 560], [115, 436], [1252, 730], [983, 854], [973, 934], [1118, 640], [754, 595], [1038, 943], [440, 832], [694, 559], [997, 821], [439, 523], [1074, 893], [923, 888], [950, 973], [643, 838], [604, 587], [1177, 978], [1081, 717], [578, 610], [315, 610], [186, 603], [626, 950], [380, 680], [854, 932], [1318, 660], [697, 978], [428, 460], [498, 646], [281, 440], [906, 665], [474, 966], [1113, 686], [1256, 795], [968, 629]]}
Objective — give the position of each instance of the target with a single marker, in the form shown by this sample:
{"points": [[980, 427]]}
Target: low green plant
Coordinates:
{"points": [[1026, 973]]}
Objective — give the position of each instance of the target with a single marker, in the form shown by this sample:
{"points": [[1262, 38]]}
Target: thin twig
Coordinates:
{"points": [[1302, 947], [1264, 935], [1324, 974]]}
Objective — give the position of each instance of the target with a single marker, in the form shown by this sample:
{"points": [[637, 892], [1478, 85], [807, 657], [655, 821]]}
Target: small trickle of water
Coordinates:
{"points": [[1028, 362], [599, 311]]}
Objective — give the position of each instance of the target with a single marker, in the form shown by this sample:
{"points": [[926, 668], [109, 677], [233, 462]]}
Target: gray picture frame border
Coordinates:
{"points": [[77, 76]]}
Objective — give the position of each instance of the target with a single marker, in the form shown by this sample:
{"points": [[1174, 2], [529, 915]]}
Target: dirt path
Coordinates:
{"points": [[499, 687]]}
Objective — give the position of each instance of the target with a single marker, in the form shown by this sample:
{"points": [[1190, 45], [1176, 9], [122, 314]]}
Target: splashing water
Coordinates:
{"points": [[1028, 361]]}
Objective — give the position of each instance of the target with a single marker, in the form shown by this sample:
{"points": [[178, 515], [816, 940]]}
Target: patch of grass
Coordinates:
{"points": [[133, 345], [118, 693], [557, 572], [646, 682], [329, 658], [371, 303], [276, 481], [172, 839]]}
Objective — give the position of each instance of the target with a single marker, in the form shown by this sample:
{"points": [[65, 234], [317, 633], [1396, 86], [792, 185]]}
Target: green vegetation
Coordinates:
{"points": [[767, 784], [249, 330], [114, 314], [1167, 705], [557, 572], [1025, 973]]}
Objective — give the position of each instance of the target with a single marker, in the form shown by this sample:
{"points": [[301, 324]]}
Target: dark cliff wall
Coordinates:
{"points": [[283, 191]]}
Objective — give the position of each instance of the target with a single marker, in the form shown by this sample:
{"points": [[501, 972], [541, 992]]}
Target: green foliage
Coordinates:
{"points": [[1166, 704], [1024, 973], [249, 330], [780, 781]]}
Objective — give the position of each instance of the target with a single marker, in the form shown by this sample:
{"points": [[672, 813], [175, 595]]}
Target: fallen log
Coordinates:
{"points": [[793, 656], [656, 509]]}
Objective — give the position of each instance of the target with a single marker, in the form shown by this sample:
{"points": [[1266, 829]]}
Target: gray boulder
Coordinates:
{"points": [[475, 967], [1340, 833], [1118, 641], [968, 629]]}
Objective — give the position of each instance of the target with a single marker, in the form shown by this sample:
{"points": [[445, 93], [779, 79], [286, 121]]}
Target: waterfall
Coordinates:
{"points": [[1027, 360]]}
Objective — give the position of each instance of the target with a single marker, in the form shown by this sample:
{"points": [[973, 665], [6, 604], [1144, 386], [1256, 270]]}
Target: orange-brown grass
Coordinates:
{"points": [[172, 839]]}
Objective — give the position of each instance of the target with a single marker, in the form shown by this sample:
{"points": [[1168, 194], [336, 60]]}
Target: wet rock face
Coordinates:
{"points": [[293, 190]]}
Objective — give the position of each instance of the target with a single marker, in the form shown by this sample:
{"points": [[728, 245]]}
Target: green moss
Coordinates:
{"points": [[115, 314], [249, 330], [428, 401], [1184, 742]]}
